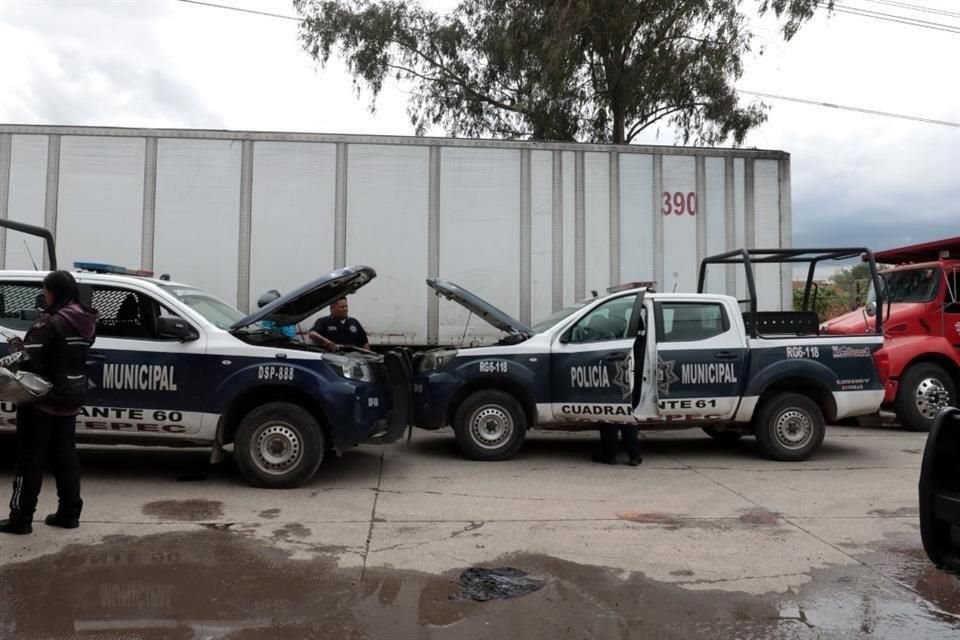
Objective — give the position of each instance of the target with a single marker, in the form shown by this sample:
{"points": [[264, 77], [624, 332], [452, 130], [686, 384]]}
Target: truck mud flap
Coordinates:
{"points": [[939, 491], [399, 365]]}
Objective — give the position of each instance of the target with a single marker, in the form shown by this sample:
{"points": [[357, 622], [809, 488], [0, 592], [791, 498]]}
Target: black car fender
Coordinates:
{"points": [[799, 375], [507, 373]]}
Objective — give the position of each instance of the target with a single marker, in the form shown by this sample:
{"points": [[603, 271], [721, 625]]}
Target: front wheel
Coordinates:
{"points": [[789, 427], [924, 389], [490, 425], [279, 446]]}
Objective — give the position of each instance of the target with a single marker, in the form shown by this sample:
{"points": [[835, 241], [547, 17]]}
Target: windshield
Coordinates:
{"points": [[559, 316], [216, 312], [910, 285]]}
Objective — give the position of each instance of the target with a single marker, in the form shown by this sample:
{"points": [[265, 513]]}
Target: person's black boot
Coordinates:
{"points": [[16, 527], [635, 462], [599, 458], [54, 520]]}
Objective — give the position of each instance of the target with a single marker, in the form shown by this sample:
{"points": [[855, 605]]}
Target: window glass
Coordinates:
{"points": [[17, 299], [910, 285], [217, 312], [124, 314], [953, 294], [609, 321], [691, 321], [559, 316]]}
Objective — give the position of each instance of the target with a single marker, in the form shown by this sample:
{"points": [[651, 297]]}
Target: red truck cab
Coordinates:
{"points": [[920, 303]]}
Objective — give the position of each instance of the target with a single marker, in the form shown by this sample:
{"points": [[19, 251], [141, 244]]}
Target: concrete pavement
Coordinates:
{"points": [[702, 539]]}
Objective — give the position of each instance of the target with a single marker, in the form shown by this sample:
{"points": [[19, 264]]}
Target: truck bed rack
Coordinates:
{"points": [[805, 321]]}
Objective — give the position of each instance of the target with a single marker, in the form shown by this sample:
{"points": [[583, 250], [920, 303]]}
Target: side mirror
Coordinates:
{"points": [[871, 308], [176, 329]]}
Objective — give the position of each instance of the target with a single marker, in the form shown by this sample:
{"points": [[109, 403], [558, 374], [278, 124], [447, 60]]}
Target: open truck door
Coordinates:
{"points": [[643, 360], [689, 362]]}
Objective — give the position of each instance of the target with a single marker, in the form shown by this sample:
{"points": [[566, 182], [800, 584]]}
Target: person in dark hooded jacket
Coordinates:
{"points": [[56, 347]]}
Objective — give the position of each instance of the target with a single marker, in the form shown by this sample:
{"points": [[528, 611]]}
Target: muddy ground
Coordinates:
{"points": [[702, 540]]}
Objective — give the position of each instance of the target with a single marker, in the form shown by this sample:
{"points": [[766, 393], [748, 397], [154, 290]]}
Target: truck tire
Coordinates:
{"points": [[490, 425], [789, 427], [725, 436], [278, 445], [925, 388]]}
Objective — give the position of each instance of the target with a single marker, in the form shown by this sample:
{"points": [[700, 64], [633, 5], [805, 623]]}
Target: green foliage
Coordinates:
{"points": [[596, 70], [830, 301], [854, 281]]}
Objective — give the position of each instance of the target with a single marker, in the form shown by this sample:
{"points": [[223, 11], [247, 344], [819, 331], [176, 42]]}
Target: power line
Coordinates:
{"points": [[893, 18], [916, 7], [241, 10], [842, 107], [882, 14]]}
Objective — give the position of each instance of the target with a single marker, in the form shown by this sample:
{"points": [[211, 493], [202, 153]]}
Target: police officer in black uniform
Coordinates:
{"points": [[339, 329], [56, 347], [608, 444]]}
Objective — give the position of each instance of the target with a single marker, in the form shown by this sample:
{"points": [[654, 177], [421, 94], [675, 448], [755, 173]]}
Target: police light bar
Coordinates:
{"points": [[98, 267], [642, 284]]}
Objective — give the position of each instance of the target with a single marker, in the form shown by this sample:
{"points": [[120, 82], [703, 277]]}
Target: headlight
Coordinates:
{"points": [[435, 359], [349, 368]]}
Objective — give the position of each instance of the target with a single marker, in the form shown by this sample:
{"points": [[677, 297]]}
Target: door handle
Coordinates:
{"points": [[615, 357], [96, 356], [725, 355]]}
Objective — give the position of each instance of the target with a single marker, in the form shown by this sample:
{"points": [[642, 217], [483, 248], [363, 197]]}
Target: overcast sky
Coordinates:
{"points": [[857, 178]]}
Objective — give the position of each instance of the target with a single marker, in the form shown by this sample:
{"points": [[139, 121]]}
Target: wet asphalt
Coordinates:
{"points": [[176, 549]]}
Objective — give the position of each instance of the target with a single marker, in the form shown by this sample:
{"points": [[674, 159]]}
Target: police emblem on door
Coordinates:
{"points": [[666, 375], [621, 377]]}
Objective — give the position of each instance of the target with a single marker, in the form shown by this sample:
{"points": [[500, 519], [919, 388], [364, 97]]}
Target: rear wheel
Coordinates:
{"points": [[279, 445], [724, 435], [490, 425], [789, 427], [924, 389]]}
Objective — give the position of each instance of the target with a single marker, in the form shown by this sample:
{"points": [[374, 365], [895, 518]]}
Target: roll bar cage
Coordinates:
{"points": [[750, 257], [39, 232]]}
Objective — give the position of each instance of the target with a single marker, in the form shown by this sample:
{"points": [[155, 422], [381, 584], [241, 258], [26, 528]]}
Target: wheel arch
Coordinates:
{"points": [[940, 359], [812, 388], [249, 400], [507, 385]]}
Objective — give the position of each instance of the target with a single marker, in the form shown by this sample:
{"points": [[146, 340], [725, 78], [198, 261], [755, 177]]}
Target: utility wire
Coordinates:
{"points": [[865, 13], [842, 107], [882, 14], [242, 10], [893, 18], [916, 7]]}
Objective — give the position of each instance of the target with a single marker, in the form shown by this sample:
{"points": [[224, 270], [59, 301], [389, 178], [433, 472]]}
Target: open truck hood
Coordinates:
{"points": [[479, 307], [298, 305]]}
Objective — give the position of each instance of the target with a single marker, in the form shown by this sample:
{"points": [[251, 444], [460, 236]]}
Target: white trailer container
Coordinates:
{"points": [[531, 227]]}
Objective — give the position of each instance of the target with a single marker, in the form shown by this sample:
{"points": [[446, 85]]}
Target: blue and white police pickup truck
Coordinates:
{"points": [[655, 360], [175, 366]]}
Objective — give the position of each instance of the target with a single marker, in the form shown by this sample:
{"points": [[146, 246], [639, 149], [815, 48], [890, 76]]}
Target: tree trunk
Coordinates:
{"points": [[619, 123]]}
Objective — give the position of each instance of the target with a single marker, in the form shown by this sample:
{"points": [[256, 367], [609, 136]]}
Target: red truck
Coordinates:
{"points": [[920, 304]]}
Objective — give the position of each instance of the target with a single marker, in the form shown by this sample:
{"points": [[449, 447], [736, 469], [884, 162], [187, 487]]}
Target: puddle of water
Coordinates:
{"points": [[184, 510], [291, 530], [220, 584]]}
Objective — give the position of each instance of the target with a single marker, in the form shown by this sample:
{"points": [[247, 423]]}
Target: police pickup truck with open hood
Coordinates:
{"points": [[175, 366], [656, 360]]}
